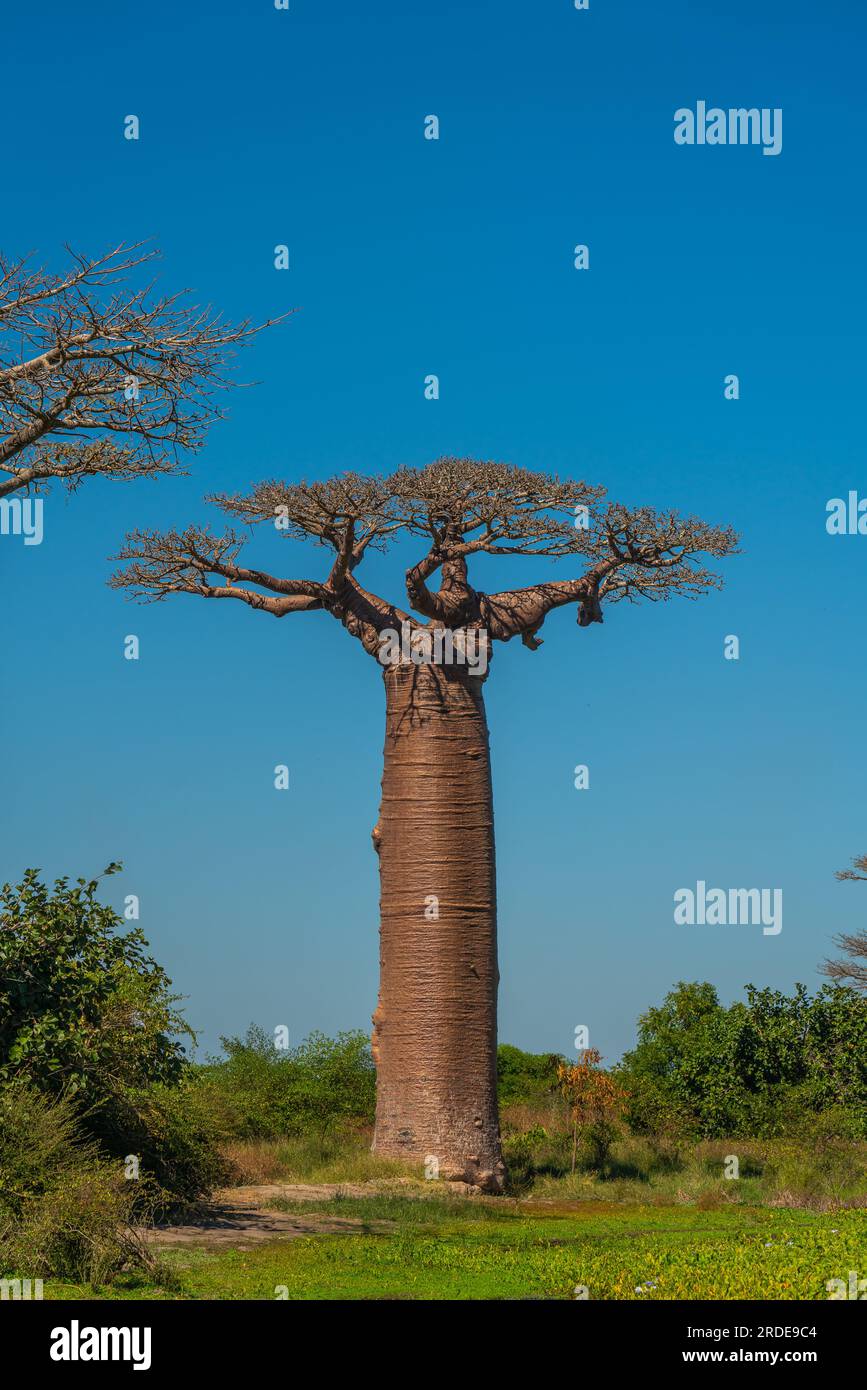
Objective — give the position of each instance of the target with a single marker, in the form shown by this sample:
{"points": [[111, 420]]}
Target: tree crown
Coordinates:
{"points": [[461, 509]]}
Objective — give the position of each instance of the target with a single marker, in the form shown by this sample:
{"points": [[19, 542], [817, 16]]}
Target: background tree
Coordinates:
{"points": [[776, 1064], [434, 1036], [854, 970], [100, 378]]}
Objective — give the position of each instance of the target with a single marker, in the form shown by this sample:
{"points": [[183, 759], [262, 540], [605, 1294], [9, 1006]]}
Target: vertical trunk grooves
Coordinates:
{"points": [[435, 1026]]}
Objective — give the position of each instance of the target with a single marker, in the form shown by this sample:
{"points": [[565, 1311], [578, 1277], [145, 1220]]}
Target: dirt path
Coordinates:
{"points": [[239, 1228], [259, 1193], [238, 1218]]}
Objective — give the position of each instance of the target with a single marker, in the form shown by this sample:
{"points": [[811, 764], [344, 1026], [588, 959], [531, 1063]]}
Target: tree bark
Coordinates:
{"points": [[435, 1027]]}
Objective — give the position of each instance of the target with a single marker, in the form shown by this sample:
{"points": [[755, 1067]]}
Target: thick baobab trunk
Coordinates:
{"points": [[435, 1027]]}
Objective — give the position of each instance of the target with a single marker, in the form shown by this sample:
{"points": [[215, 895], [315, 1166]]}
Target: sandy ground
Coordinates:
{"points": [[239, 1218]]}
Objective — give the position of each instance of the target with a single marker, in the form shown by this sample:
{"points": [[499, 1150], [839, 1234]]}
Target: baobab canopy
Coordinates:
{"points": [[461, 509], [435, 1025]]}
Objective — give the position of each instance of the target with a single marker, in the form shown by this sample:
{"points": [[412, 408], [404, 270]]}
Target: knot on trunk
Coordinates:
{"points": [[376, 1020]]}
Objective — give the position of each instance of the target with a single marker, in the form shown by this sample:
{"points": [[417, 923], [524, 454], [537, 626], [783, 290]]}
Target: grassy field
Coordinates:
{"points": [[820, 1176], [442, 1248], [614, 1189], [662, 1222]]}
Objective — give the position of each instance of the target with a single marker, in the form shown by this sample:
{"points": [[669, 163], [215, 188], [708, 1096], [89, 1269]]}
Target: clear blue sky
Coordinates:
{"points": [[409, 257]]}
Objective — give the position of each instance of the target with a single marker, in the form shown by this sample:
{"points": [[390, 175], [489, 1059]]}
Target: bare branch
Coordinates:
{"points": [[85, 357], [321, 511], [637, 554], [859, 863], [853, 971], [187, 562], [470, 507], [462, 509]]}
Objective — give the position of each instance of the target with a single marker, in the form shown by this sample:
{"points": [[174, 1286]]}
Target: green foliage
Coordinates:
{"points": [[175, 1136], [765, 1067], [340, 1156], [639, 1253], [80, 1228], [83, 1009], [39, 1140], [536, 1152], [64, 1209], [87, 1015], [524, 1077], [261, 1091]]}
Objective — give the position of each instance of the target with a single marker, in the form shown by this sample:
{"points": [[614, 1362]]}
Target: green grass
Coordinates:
{"points": [[788, 1172], [482, 1253], [416, 1208], [791, 1172], [339, 1157]]}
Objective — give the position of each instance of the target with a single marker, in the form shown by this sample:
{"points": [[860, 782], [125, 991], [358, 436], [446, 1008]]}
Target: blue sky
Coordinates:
{"points": [[454, 257]]}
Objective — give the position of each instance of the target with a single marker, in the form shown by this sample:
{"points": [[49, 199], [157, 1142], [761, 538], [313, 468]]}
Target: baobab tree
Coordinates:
{"points": [[100, 377], [434, 1035]]}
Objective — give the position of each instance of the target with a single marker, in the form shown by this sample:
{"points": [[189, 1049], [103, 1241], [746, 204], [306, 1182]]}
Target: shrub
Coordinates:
{"points": [[759, 1068], [176, 1138], [83, 1009], [64, 1210], [536, 1152], [596, 1105], [525, 1077], [824, 1170], [80, 1228], [260, 1091], [39, 1139], [87, 1016]]}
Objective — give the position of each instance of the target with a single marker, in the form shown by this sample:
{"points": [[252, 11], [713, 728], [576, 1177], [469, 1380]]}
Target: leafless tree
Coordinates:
{"points": [[854, 970], [100, 377], [434, 1037]]}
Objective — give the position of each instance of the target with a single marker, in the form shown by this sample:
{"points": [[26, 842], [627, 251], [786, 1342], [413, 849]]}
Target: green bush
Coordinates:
{"points": [[525, 1077], [39, 1139], [79, 1229], [83, 1009], [536, 1152], [87, 1016], [64, 1210], [765, 1068], [174, 1134], [825, 1168], [260, 1091]]}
